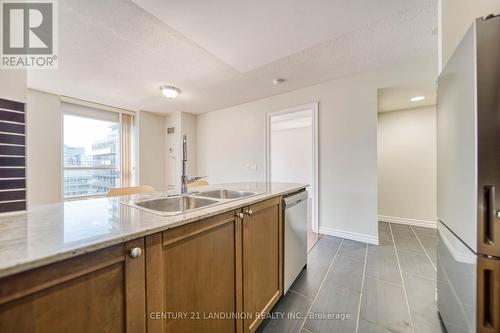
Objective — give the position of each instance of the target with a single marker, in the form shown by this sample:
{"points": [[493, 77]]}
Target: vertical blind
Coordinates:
{"points": [[126, 149], [12, 156], [89, 112]]}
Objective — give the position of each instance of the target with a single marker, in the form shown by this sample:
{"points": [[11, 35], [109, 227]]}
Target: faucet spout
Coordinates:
{"points": [[184, 177]]}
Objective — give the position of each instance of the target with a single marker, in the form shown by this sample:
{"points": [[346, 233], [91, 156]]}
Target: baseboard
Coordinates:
{"points": [[402, 220], [349, 235]]}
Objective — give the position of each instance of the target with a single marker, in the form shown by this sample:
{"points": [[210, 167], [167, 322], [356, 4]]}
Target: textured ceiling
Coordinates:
{"points": [[115, 52], [251, 34], [399, 98]]}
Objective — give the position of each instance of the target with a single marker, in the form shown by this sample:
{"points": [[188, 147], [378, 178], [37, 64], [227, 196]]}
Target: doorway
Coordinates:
{"points": [[292, 155], [406, 155]]}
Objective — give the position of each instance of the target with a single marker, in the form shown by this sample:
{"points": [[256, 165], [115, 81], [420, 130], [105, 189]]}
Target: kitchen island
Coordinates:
{"points": [[101, 265]]}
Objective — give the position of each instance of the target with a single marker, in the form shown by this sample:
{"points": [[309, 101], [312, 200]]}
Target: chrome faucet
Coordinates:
{"points": [[185, 180]]}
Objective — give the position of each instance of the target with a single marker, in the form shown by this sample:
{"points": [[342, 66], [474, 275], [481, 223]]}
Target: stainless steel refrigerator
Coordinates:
{"points": [[468, 154]]}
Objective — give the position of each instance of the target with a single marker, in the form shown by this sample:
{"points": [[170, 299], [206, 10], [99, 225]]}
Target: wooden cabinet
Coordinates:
{"points": [[102, 291], [226, 265], [213, 275], [262, 260], [193, 275]]}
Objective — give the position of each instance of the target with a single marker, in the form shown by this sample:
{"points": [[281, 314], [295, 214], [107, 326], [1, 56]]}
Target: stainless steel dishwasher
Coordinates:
{"points": [[295, 234]]}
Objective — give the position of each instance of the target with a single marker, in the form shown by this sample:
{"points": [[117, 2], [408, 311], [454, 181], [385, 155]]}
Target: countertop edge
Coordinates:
{"points": [[101, 244]]}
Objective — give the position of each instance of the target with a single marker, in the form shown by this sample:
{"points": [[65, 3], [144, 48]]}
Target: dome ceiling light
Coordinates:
{"points": [[170, 91]]}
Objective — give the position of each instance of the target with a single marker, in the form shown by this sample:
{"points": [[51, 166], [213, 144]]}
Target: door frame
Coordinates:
{"points": [[314, 186]]}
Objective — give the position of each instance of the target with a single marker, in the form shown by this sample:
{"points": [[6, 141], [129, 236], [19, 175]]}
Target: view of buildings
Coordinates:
{"points": [[93, 173]]}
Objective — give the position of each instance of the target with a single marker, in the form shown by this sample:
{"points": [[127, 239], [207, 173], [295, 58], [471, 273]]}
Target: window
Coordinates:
{"points": [[92, 151]]}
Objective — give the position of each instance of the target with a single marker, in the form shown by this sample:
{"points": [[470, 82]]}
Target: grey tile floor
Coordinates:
{"points": [[384, 288]]}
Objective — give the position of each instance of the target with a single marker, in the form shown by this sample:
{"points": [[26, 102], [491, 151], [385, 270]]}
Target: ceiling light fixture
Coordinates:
{"points": [[417, 98], [170, 92]]}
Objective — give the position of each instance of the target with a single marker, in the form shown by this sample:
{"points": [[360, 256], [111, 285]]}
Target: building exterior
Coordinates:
{"points": [[95, 173], [104, 155]]}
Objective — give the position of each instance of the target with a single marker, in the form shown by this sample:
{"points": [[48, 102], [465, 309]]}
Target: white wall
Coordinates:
{"points": [[152, 150], [184, 123], [231, 138], [44, 148], [456, 17], [13, 84], [407, 165], [292, 155], [172, 151]]}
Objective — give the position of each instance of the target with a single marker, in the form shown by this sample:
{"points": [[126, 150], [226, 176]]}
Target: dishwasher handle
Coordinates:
{"points": [[294, 199]]}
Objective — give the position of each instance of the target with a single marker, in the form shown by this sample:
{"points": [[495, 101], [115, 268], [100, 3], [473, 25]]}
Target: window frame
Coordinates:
{"points": [[117, 167]]}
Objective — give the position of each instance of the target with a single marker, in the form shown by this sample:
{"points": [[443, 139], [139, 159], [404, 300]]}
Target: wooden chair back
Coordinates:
{"points": [[198, 183], [119, 191]]}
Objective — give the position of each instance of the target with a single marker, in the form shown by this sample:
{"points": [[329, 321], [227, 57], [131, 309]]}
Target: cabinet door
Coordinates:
{"points": [[102, 291], [262, 260], [193, 275]]}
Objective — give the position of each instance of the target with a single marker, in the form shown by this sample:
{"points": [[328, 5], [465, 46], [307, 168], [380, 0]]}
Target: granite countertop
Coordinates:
{"points": [[54, 232]]}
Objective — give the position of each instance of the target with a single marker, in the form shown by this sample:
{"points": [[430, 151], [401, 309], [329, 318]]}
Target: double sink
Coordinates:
{"points": [[180, 204]]}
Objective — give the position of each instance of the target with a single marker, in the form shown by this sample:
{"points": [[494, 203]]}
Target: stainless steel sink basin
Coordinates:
{"points": [[176, 205], [179, 204], [224, 194]]}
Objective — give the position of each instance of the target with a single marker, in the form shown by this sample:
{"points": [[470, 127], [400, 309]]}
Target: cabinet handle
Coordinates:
{"points": [[488, 293], [240, 215], [490, 215], [249, 212], [135, 252]]}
